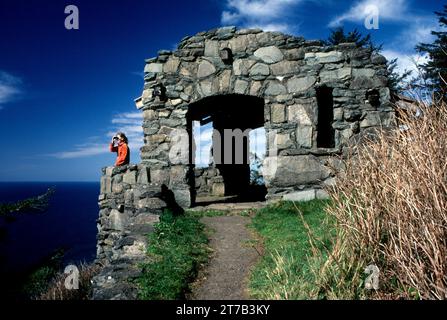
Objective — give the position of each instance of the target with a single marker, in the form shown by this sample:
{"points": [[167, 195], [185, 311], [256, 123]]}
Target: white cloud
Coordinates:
{"points": [[415, 33], [268, 15], [9, 88], [82, 151], [406, 61], [129, 123], [393, 10], [404, 51], [281, 27], [415, 29]]}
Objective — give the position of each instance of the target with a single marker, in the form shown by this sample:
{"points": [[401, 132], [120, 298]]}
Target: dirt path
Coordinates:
{"points": [[226, 276]]}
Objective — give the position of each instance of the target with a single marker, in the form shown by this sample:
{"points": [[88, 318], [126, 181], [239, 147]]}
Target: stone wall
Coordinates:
{"points": [[284, 71], [209, 182], [129, 207]]}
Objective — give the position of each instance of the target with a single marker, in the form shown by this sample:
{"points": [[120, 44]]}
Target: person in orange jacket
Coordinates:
{"points": [[120, 146]]}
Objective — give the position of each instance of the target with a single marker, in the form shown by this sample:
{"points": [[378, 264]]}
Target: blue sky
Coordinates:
{"points": [[64, 92]]}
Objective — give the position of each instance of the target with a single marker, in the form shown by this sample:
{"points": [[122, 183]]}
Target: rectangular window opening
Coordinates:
{"points": [[326, 132]]}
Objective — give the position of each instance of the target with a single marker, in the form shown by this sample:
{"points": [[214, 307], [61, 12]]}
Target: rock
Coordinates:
{"points": [[294, 54], [176, 102], [278, 114], [291, 171], [182, 197], [117, 188], [309, 56], [206, 69], [164, 113], [362, 82], [329, 57], [130, 177], [208, 87], [306, 195], [342, 74], [368, 73], [304, 136], [151, 204], [241, 67], [249, 31], [240, 86], [225, 33], [211, 48], [153, 68], [149, 115], [269, 54], [338, 114], [185, 97], [145, 218], [298, 114], [118, 220], [177, 176], [239, 44], [109, 171], [283, 141], [171, 66], [218, 189], [143, 176], [259, 70], [295, 85], [322, 194], [160, 176], [106, 185], [255, 88], [285, 67], [275, 88]]}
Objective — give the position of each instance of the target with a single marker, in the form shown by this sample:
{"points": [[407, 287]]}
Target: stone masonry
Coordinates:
{"points": [[286, 74]]}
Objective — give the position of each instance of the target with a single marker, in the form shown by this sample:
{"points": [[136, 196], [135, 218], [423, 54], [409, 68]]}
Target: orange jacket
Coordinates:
{"points": [[123, 153]]}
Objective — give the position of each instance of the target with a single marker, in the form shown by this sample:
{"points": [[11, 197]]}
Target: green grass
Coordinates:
{"points": [[178, 248], [286, 269]]}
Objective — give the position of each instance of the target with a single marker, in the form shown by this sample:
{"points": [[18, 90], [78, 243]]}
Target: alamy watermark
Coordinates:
{"points": [[372, 18], [372, 281], [72, 20], [228, 147], [72, 280]]}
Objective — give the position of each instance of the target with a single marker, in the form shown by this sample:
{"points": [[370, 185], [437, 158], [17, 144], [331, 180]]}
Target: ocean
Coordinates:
{"points": [[69, 223]]}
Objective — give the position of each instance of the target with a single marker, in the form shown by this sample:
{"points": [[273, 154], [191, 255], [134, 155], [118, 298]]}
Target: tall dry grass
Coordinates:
{"points": [[390, 208]]}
